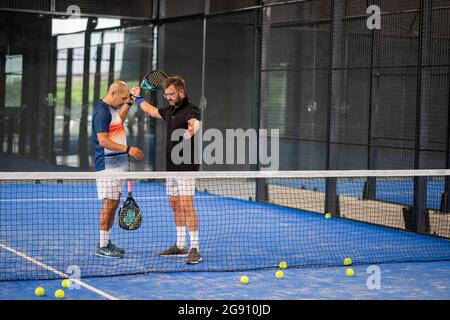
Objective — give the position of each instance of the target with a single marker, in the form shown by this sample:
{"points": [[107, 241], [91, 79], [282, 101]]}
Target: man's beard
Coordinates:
{"points": [[177, 102]]}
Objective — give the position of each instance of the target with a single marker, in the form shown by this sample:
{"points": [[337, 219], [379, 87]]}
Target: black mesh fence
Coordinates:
{"points": [[350, 96], [343, 91], [43, 5]]}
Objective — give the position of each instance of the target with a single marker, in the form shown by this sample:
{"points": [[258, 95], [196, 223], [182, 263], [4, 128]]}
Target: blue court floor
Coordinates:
{"points": [[397, 281]]}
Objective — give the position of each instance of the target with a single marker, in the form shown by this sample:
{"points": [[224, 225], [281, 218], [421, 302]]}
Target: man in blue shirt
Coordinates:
{"points": [[111, 154]]}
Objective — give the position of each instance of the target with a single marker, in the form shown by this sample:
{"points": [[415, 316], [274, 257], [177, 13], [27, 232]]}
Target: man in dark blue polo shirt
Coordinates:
{"points": [[180, 114], [111, 155]]}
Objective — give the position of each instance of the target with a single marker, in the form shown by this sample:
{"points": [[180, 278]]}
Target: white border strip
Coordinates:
{"points": [[142, 175], [15, 200], [59, 273]]}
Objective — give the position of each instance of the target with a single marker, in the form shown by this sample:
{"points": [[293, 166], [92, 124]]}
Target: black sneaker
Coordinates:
{"points": [[107, 252], [174, 251], [194, 256], [115, 248]]}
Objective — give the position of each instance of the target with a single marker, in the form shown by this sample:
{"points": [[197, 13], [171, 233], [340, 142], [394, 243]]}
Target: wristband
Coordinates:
{"points": [[139, 100], [128, 149]]}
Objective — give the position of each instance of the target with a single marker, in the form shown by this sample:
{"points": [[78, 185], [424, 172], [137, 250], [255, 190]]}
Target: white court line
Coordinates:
{"points": [[59, 273], [86, 199], [67, 199], [47, 199]]}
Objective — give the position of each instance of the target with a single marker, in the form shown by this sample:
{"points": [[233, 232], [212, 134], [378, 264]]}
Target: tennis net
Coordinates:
{"points": [[246, 220]]}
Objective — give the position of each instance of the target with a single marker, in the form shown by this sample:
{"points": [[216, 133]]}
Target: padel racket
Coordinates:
{"points": [[153, 80], [130, 217]]}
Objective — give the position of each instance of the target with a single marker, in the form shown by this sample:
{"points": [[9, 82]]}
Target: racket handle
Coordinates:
{"points": [[129, 186]]}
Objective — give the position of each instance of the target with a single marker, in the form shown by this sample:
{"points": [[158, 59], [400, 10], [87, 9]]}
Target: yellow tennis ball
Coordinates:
{"points": [[283, 265], [347, 261], [65, 283], [39, 291], [244, 279], [59, 294], [349, 272], [279, 274], [328, 216]]}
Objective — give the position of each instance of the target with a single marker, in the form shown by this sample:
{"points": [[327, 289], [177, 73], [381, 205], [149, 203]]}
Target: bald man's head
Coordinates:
{"points": [[118, 94], [118, 86]]}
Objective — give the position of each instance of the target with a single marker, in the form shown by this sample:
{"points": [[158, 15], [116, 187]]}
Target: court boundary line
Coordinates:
{"points": [[59, 273], [143, 198]]}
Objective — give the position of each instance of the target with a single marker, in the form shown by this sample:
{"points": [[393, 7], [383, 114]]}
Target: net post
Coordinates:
{"points": [[370, 189], [445, 205], [407, 218], [420, 218], [262, 192], [331, 197]]}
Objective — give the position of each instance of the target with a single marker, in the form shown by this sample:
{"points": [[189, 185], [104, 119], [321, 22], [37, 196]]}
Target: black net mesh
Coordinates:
{"points": [[142, 9], [220, 5], [360, 97], [177, 8], [43, 5], [52, 223]]}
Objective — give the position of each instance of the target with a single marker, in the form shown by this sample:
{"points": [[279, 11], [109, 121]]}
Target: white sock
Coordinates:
{"points": [[181, 237], [193, 235], [104, 238]]}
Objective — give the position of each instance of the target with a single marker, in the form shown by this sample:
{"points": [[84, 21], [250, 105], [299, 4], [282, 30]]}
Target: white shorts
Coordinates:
{"points": [[113, 188], [110, 188], [180, 186]]}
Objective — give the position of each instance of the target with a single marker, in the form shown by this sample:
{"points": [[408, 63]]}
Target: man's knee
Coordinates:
{"points": [[182, 203], [187, 203], [111, 204], [175, 203]]}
